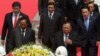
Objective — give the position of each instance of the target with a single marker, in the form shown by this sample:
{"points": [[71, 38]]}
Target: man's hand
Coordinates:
{"points": [[3, 42], [39, 41], [68, 41]]}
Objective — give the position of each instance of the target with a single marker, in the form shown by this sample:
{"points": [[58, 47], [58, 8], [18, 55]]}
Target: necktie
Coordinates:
{"points": [[87, 23], [23, 32], [23, 36], [15, 22], [67, 36], [50, 15]]}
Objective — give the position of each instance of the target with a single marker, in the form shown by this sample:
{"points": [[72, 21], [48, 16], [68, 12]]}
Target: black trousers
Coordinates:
{"points": [[71, 50], [89, 50]]}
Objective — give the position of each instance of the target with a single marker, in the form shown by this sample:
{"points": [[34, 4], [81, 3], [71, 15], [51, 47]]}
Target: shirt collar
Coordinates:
{"points": [[17, 14], [87, 18], [91, 13], [67, 35], [23, 29], [51, 13]]}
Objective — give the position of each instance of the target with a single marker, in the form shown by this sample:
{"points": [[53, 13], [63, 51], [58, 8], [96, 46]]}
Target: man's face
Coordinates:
{"points": [[23, 24], [67, 28], [85, 12], [16, 9], [91, 7], [51, 8]]}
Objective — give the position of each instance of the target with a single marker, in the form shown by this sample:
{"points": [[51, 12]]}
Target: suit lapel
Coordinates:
{"points": [[61, 39], [54, 15], [91, 21], [20, 15], [47, 16], [53, 18], [11, 18], [70, 35], [18, 37], [82, 24], [26, 33]]}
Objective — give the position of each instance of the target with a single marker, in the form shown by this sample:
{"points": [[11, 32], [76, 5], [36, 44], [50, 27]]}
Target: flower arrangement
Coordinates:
{"points": [[32, 50]]}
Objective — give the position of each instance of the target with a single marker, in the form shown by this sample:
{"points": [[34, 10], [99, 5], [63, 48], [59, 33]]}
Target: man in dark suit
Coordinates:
{"points": [[50, 22], [88, 33], [42, 5], [96, 8], [98, 29], [91, 7], [73, 8], [22, 35], [67, 38], [10, 22]]}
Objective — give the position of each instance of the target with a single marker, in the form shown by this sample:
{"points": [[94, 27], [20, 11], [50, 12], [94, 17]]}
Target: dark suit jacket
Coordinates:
{"points": [[96, 8], [95, 15], [49, 26], [98, 27], [8, 25], [60, 4], [72, 10], [87, 37], [16, 39], [42, 4], [59, 41]]}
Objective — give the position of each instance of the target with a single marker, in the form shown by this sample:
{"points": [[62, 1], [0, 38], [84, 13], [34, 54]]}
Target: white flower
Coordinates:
{"points": [[37, 50], [61, 51], [2, 51]]}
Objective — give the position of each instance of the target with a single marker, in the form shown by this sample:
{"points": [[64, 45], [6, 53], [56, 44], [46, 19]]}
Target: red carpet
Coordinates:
{"points": [[78, 51]]}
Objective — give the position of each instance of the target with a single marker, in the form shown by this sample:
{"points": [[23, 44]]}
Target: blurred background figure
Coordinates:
{"points": [[87, 31], [96, 7], [10, 22], [91, 7], [67, 38], [72, 10], [42, 5], [50, 22], [22, 35]]}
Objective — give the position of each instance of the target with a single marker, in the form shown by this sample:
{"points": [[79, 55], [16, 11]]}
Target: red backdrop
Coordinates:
{"points": [[29, 7]]}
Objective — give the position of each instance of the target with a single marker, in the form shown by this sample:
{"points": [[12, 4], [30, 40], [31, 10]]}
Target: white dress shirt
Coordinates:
{"points": [[91, 14], [86, 22], [13, 17], [65, 37], [24, 32], [51, 14]]}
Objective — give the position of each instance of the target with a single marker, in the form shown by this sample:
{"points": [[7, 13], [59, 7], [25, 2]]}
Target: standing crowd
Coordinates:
{"points": [[69, 23]]}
